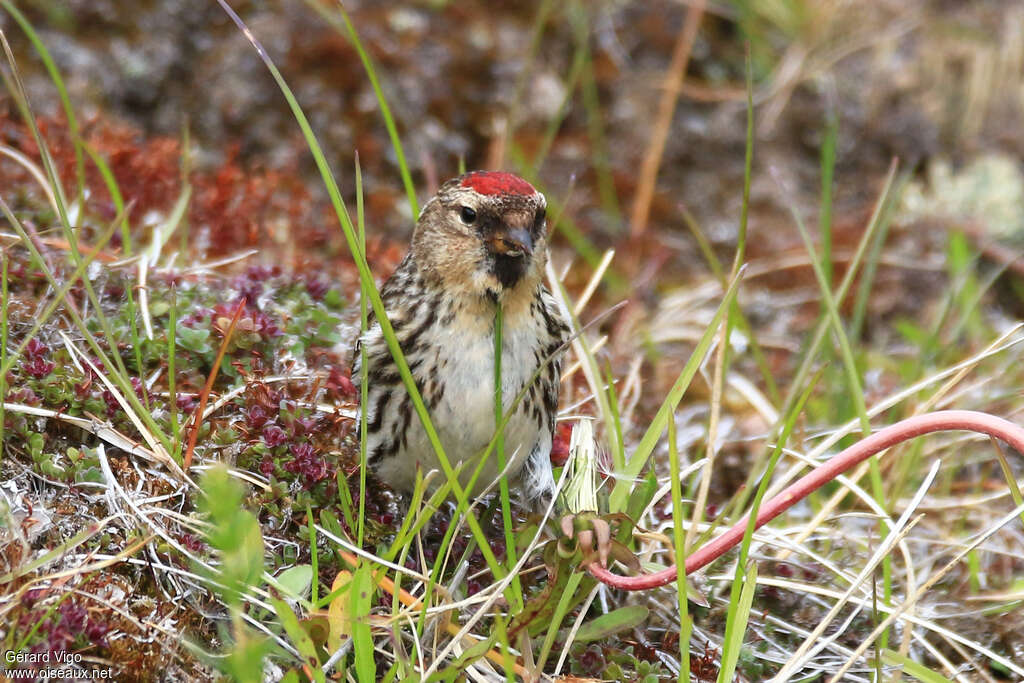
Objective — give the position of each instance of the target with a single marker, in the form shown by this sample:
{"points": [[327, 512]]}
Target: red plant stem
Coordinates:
{"points": [[197, 416], [941, 421]]}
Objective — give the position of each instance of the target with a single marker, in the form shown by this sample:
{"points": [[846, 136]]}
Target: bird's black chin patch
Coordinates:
{"points": [[509, 269]]}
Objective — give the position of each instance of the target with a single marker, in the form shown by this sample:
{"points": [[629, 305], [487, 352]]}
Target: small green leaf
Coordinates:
{"points": [[731, 649], [361, 599], [614, 622], [913, 669], [296, 580], [190, 339], [303, 643], [333, 299]]}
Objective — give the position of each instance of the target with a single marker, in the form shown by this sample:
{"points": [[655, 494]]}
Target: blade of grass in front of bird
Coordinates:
{"points": [[516, 589], [533, 378], [364, 389], [636, 462], [366, 281]]}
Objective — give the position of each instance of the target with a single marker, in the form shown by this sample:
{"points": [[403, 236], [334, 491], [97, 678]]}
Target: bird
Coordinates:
{"points": [[479, 243]]}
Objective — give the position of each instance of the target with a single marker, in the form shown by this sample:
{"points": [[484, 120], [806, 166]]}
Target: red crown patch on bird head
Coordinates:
{"points": [[497, 182]]}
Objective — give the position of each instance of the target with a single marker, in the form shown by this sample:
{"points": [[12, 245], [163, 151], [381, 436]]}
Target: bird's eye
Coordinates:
{"points": [[541, 213], [468, 215]]}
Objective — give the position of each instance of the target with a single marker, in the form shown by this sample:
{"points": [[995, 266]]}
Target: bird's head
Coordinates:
{"points": [[484, 234]]}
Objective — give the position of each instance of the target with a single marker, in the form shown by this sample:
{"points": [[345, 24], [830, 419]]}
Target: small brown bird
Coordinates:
{"points": [[480, 243]]}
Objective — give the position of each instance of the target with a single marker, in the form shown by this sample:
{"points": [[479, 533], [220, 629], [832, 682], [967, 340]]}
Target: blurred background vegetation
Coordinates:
{"points": [[632, 118]]}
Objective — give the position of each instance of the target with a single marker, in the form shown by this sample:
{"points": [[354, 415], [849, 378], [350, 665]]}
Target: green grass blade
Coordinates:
{"points": [[17, 90], [551, 130], [115, 193], [855, 392], [733, 617], [540, 20], [58, 82], [679, 543], [733, 644], [739, 317], [118, 378], [748, 164], [60, 292], [915, 670], [633, 466], [599, 156], [364, 388], [874, 255], [818, 337], [565, 602], [515, 588], [172, 377], [828, 166], [345, 23]]}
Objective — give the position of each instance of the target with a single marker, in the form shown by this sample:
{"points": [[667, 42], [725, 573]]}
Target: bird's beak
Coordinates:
{"points": [[511, 242]]}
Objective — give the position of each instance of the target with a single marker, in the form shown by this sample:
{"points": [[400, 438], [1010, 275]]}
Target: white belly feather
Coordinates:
{"points": [[464, 416]]}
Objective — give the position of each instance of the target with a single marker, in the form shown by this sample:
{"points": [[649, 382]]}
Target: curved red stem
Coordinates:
{"points": [[941, 421]]}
